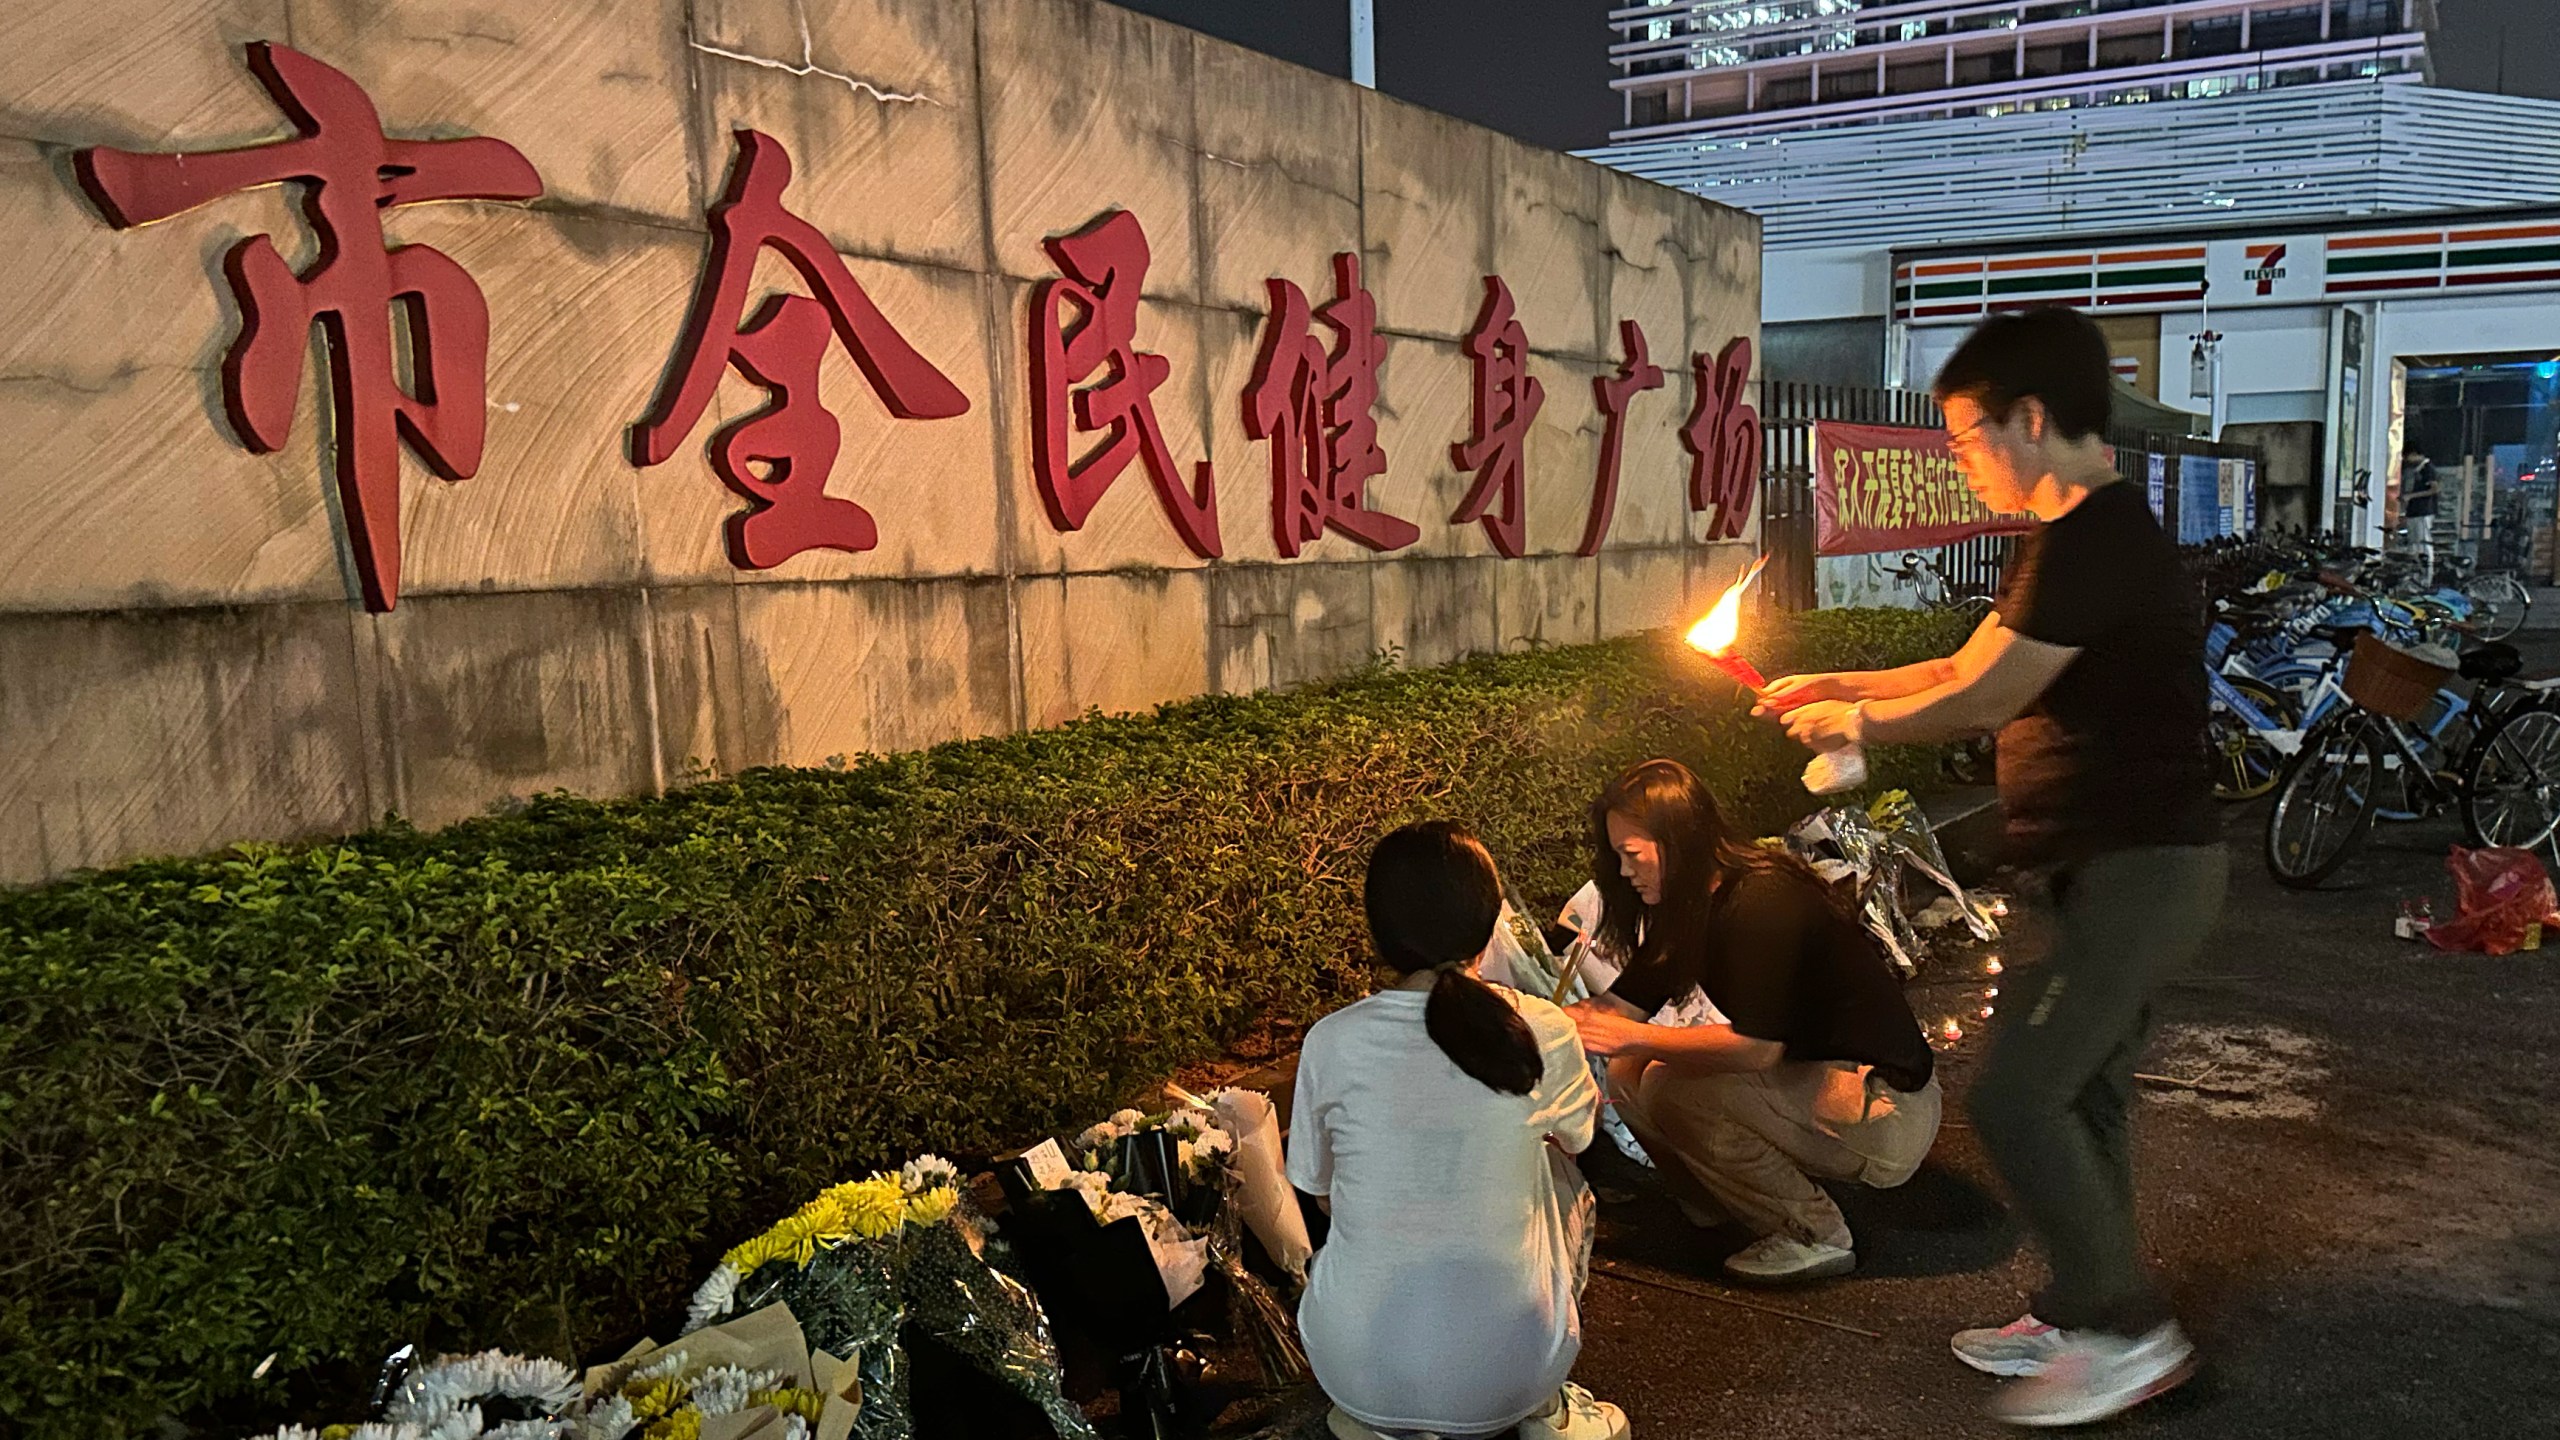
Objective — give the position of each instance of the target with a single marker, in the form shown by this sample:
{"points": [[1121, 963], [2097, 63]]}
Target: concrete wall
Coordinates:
{"points": [[182, 664], [1824, 352]]}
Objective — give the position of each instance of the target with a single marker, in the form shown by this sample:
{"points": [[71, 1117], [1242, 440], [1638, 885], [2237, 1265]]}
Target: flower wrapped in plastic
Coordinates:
{"points": [[1522, 958], [1879, 848], [1915, 840], [865, 1263], [678, 1393], [1149, 1209]]}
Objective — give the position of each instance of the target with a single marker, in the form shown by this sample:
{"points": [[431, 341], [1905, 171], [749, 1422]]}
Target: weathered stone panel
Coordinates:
{"points": [[1116, 643], [877, 101], [594, 95], [488, 699], [169, 731]]}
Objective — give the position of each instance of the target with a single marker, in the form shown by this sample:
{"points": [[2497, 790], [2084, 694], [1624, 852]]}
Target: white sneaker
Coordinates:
{"points": [[2095, 1376], [1346, 1426], [1785, 1260], [1574, 1415], [2022, 1347]]}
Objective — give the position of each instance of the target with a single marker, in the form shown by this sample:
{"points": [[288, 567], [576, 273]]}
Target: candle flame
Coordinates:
{"points": [[1716, 633]]}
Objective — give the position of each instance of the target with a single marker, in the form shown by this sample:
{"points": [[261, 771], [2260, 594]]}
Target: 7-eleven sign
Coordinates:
{"points": [[2266, 266], [2265, 272]]}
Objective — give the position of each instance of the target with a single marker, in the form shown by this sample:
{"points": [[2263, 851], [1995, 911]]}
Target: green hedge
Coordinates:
{"points": [[513, 1082]]}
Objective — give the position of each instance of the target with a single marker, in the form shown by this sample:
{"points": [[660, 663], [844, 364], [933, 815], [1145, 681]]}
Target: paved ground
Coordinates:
{"points": [[2362, 1232]]}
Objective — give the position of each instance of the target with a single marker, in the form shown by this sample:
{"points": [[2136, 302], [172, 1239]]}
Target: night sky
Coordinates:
{"points": [[1539, 69]]}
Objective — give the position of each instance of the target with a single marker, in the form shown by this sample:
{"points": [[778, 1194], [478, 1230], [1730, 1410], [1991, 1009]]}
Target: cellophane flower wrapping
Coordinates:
{"points": [[990, 1320], [859, 1297], [1842, 843], [1261, 1196]]}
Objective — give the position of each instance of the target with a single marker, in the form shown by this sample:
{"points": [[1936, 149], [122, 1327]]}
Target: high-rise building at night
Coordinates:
{"points": [[1754, 67], [2285, 227]]}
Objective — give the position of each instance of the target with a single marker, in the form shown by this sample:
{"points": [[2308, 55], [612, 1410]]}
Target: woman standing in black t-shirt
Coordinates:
{"points": [[1816, 1071]]}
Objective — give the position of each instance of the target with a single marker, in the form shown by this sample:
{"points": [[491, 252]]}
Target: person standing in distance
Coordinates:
{"points": [[2091, 671], [2419, 491]]}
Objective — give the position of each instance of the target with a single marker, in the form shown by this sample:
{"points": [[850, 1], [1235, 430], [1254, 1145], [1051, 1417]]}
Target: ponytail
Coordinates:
{"points": [[1482, 1033], [1433, 899]]}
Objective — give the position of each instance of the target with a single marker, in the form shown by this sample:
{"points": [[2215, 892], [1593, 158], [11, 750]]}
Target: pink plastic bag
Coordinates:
{"points": [[2502, 900]]}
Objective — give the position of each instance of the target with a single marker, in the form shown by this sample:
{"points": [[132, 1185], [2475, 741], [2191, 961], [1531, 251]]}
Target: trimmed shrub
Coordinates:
{"points": [[516, 1081]]}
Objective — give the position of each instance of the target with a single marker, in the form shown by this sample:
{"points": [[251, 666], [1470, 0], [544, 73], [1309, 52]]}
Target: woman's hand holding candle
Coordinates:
{"points": [[1832, 716], [1787, 692]]}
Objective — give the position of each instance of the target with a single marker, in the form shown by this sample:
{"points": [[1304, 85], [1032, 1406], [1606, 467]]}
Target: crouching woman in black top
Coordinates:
{"points": [[1821, 1073]]}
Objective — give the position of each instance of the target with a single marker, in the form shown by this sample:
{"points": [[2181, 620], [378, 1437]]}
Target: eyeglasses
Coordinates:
{"points": [[1963, 441]]}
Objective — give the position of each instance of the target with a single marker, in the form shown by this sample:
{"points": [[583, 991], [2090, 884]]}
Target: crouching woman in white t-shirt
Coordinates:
{"points": [[1444, 1301]]}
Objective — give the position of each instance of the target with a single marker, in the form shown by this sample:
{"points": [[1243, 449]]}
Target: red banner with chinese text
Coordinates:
{"points": [[1889, 487]]}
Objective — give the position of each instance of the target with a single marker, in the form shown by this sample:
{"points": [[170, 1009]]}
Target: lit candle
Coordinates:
{"points": [[1714, 635], [1831, 771]]}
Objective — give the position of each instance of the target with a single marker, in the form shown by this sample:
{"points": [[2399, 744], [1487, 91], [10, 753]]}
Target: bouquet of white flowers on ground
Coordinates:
{"points": [[461, 1397], [1132, 1218]]}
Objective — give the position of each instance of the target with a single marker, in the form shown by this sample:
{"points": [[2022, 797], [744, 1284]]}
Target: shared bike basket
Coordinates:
{"points": [[2388, 680]]}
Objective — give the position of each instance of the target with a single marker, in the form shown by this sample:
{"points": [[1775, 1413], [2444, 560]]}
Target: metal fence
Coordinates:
{"points": [[2135, 447], [1788, 410]]}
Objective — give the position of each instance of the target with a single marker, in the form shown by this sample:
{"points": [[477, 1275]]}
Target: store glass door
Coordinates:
{"points": [[2489, 422]]}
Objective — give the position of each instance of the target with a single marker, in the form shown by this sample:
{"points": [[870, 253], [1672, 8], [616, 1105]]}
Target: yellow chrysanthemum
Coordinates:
{"points": [[807, 1404], [875, 1207], [654, 1398], [932, 1207], [685, 1424], [336, 1432]]}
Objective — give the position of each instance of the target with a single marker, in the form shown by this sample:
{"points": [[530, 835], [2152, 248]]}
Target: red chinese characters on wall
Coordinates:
{"points": [[417, 376], [779, 458], [1102, 272], [352, 173], [1316, 408], [1507, 398], [1636, 373], [1723, 438]]}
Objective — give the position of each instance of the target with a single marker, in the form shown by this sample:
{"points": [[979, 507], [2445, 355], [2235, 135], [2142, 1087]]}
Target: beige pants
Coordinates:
{"points": [[1752, 1145]]}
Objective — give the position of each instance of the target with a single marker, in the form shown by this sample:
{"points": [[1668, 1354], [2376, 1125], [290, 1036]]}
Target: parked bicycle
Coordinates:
{"points": [[2499, 601], [2375, 757], [2273, 668], [1931, 587]]}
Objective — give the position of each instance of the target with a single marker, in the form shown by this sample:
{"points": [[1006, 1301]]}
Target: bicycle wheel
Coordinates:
{"points": [[2324, 804], [2498, 605], [2511, 781], [2246, 764]]}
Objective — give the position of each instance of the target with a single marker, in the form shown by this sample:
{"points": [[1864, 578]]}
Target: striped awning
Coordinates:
{"points": [[2160, 275], [2444, 259]]}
